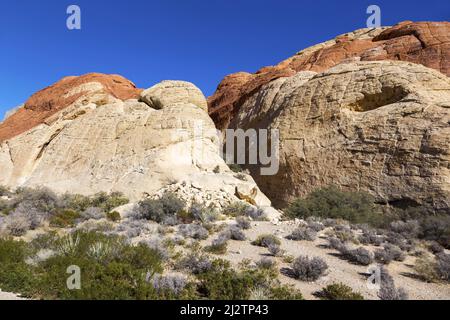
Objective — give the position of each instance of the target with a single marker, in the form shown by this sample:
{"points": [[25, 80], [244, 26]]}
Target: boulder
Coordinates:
{"points": [[134, 147], [381, 127], [172, 93], [426, 43]]}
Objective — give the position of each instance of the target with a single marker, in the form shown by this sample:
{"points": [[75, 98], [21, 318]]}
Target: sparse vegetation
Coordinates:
{"points": [[339, 291], [389, 253], [236, 209], [219, 245], [356, 207], [388, 290], [243, 223], [113, 216], [64, 218], [307, 269], [303, 233], [160, 210], [194, 231], [434, 269], [359, 256], [266, 240]]}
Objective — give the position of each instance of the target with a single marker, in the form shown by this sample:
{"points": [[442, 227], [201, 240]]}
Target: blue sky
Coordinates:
{"points": [[195, 40]]}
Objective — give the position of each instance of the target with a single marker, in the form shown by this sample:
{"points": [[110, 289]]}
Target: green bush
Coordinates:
{"points": [[108, 201], [113, 216], [436, 228], [224, 283], [330, 202], [236, 209], [339, 291], [15, 274], [64, 218], [284, 292], [266, 240], [110, 268], [159, 210]]}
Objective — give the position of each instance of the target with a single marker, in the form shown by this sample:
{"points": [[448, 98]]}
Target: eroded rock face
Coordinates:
{"points": [[126, 146], [426, 43], [382, 127], [41, 106]]}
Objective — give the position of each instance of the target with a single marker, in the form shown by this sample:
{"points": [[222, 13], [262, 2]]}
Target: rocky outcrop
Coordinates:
{"points": [[426, 43], [382, 127], [163, 140], [40, 107]]}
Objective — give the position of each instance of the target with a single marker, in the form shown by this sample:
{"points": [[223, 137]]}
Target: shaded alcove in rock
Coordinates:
{"points": [[387, 96]]}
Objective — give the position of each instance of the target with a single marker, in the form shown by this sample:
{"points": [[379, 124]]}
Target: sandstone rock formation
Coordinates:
{"points": [[94, 88], [95, 138], [382, 127], [426, 43]]}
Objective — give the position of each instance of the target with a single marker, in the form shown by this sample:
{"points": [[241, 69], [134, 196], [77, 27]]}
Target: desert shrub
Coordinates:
{"points": [[356, 207], [113, 216], [408, 229], [284, 292], [64, 218], [436, 228], [220, 244], [236, 209], [75, 202], [426, 268], [110, 201], [339, 291], [267, 264], [266, 240], [435, 247], [336, 244], [256, 214], [303, 233], [194, 231], [443, 266], [34, 216], [121, 267], [160, 209], [388, 290], [41, 199], [389, 253], [5, 207], [307, 269], [236, 234], [162, 246], [4, 191], [169, 286], [134, 228], [243, 223], [400, 241], [275, 250], [315, 225], [15, 225], [205, 214], [343, 233], [359, 256], [224, 283], [93, 213], [370, 237], [196, 263], [15, 274]]}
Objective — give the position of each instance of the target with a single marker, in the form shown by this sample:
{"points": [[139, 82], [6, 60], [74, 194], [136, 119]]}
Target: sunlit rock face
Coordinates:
{"points": [[136, 146]]}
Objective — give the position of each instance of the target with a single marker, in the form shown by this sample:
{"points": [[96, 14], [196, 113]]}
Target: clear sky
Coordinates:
{"points": [[152, 40]]}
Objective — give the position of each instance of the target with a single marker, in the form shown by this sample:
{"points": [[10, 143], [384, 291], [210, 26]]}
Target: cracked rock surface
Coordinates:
{"points": [[382, 127]]}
